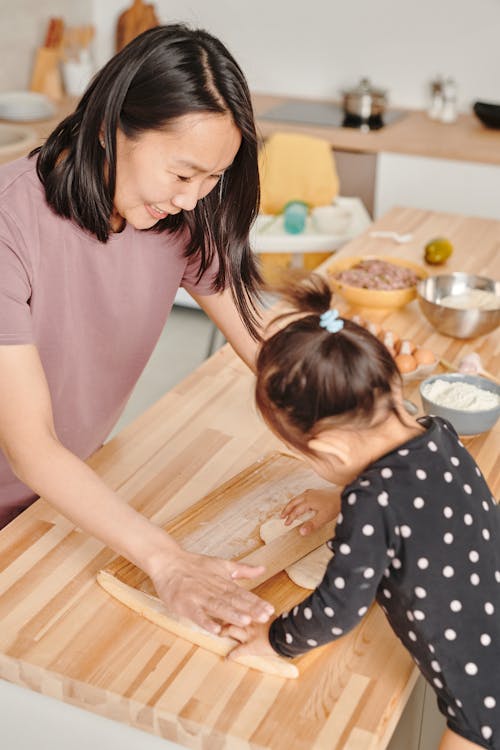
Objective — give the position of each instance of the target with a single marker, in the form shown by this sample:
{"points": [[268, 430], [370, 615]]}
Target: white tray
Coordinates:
{"points": [[268, 234]]}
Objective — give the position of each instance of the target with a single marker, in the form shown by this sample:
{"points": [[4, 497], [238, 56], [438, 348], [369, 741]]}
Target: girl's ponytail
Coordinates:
{"points": [[319, 366]]}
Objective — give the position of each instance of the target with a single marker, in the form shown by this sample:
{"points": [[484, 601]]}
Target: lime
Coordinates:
{"points": [[438, 250]]}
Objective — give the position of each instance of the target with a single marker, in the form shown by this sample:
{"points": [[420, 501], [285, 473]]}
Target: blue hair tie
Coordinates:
{"points": [[331, 321]]}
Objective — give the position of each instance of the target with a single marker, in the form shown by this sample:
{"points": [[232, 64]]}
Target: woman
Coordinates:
{"points": [[150, 184]]}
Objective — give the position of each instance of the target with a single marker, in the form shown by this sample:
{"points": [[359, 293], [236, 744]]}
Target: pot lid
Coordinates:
{"points": [[365, 87]]}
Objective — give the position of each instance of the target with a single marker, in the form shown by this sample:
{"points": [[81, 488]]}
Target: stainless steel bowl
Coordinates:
{"points": [[464, 421], [461, 324]]}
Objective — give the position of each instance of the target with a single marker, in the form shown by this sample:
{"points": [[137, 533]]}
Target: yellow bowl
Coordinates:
{"points": [[384, 298]]}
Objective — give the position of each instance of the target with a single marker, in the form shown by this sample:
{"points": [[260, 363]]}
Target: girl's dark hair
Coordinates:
{"points": [[309, 379], [163, 74]]}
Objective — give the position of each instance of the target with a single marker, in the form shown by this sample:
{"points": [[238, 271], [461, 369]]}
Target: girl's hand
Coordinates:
{"points": [[254, 640], [204, 589], [324, 503]]}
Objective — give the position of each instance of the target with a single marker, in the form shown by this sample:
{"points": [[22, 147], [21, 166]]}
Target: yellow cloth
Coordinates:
{"points": [[296, 167]]}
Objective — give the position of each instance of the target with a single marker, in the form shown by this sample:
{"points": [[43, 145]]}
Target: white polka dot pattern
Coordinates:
{"points": [[383, 499], [418, 528]]}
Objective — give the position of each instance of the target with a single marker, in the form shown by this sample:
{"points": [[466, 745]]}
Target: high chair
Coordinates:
{"points": [[297, 167]]}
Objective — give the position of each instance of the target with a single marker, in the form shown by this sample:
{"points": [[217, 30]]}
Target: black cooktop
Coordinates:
{"points": [[327, 114]]}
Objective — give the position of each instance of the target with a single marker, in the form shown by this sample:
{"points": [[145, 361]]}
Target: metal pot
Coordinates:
{"points": [[364, 101]]}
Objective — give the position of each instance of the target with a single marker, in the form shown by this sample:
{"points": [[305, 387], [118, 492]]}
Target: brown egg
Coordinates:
{"points": [[406, 363], [424, 357]]}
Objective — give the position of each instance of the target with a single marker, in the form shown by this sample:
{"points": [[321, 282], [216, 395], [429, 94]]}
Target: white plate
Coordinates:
{"points": [[25, 106]]}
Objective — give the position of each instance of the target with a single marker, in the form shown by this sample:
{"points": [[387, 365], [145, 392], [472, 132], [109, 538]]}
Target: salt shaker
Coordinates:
{"points": [[449, 109]]}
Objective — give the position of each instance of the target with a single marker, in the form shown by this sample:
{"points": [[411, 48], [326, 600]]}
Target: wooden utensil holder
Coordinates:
{"points": [[46, 77]]}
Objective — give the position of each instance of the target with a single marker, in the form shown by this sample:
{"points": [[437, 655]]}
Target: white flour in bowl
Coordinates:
{"points": [[474, 299], [460, 395]]}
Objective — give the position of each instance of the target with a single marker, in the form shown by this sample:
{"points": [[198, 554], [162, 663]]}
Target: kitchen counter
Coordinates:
{"points": [[40, 129], [414, 134], [64, 637]]}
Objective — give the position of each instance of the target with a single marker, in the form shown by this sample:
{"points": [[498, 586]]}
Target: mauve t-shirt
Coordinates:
{"points": [[93, 310]]}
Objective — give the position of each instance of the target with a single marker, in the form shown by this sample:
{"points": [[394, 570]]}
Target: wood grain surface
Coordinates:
{"points": [[62, 635]]}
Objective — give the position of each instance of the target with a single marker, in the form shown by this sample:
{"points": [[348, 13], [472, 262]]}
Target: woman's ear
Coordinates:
{"points": [[332, 444]]}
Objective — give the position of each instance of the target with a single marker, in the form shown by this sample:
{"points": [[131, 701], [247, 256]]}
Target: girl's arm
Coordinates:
{"points": [[364, 545], [196, 586], [341, 600]]}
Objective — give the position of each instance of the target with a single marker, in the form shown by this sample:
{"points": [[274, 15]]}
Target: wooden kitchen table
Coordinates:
{"points": [[64, 636]]}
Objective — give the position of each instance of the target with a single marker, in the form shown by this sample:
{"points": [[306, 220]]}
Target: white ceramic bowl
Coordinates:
{"points": [[331, 219], [465, 422]]}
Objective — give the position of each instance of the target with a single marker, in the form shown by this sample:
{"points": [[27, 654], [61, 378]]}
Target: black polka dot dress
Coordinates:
{"points": [[419, 531]]}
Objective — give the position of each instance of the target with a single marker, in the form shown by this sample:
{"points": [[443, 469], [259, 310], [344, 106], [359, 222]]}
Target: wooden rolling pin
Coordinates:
{"points": [[282, 552], [276, 555]]}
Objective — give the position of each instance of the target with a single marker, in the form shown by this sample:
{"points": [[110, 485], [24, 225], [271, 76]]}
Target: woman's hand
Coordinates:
{"points": [[254, 640], [325, 505], [204, 589]]}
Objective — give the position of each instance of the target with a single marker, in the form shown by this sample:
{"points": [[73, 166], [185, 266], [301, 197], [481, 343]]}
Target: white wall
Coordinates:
{"points": [[23, 25], [316, 47]]}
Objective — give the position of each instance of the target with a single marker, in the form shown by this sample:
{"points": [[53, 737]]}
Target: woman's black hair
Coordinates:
{"points": [[309, 379], [161, 75]]}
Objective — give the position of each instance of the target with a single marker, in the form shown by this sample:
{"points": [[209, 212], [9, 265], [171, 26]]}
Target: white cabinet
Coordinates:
{"points": [[421, 725], [437, 185], [31, 720]]}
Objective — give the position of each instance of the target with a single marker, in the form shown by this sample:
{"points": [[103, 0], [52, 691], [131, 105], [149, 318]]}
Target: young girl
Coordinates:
{"points": [[418, 529]]}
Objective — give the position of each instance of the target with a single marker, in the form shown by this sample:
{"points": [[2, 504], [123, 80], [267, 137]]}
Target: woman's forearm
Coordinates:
{"points": [[77, 492]]}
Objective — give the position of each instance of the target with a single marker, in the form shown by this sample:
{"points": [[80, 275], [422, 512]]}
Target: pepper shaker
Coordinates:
{"points": [[436, 105]]}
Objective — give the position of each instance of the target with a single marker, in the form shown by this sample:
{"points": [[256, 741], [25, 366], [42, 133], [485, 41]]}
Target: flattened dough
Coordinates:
{"points": [[308, 572]]}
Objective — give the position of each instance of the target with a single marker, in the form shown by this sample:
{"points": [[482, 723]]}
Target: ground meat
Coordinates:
{"points": [[377, 274]]}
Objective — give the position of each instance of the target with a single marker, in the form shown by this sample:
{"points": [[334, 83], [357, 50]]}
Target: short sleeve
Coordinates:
{"points": [[15, 287], [204, 285], [362, 551]]}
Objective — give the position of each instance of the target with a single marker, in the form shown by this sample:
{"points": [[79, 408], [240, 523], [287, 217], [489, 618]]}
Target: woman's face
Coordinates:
{"points": [[164, 172]]}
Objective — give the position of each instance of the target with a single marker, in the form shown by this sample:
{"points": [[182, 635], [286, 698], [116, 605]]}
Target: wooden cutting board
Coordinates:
{"points": [[238, 504], [226, 522], [133, 21]]}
